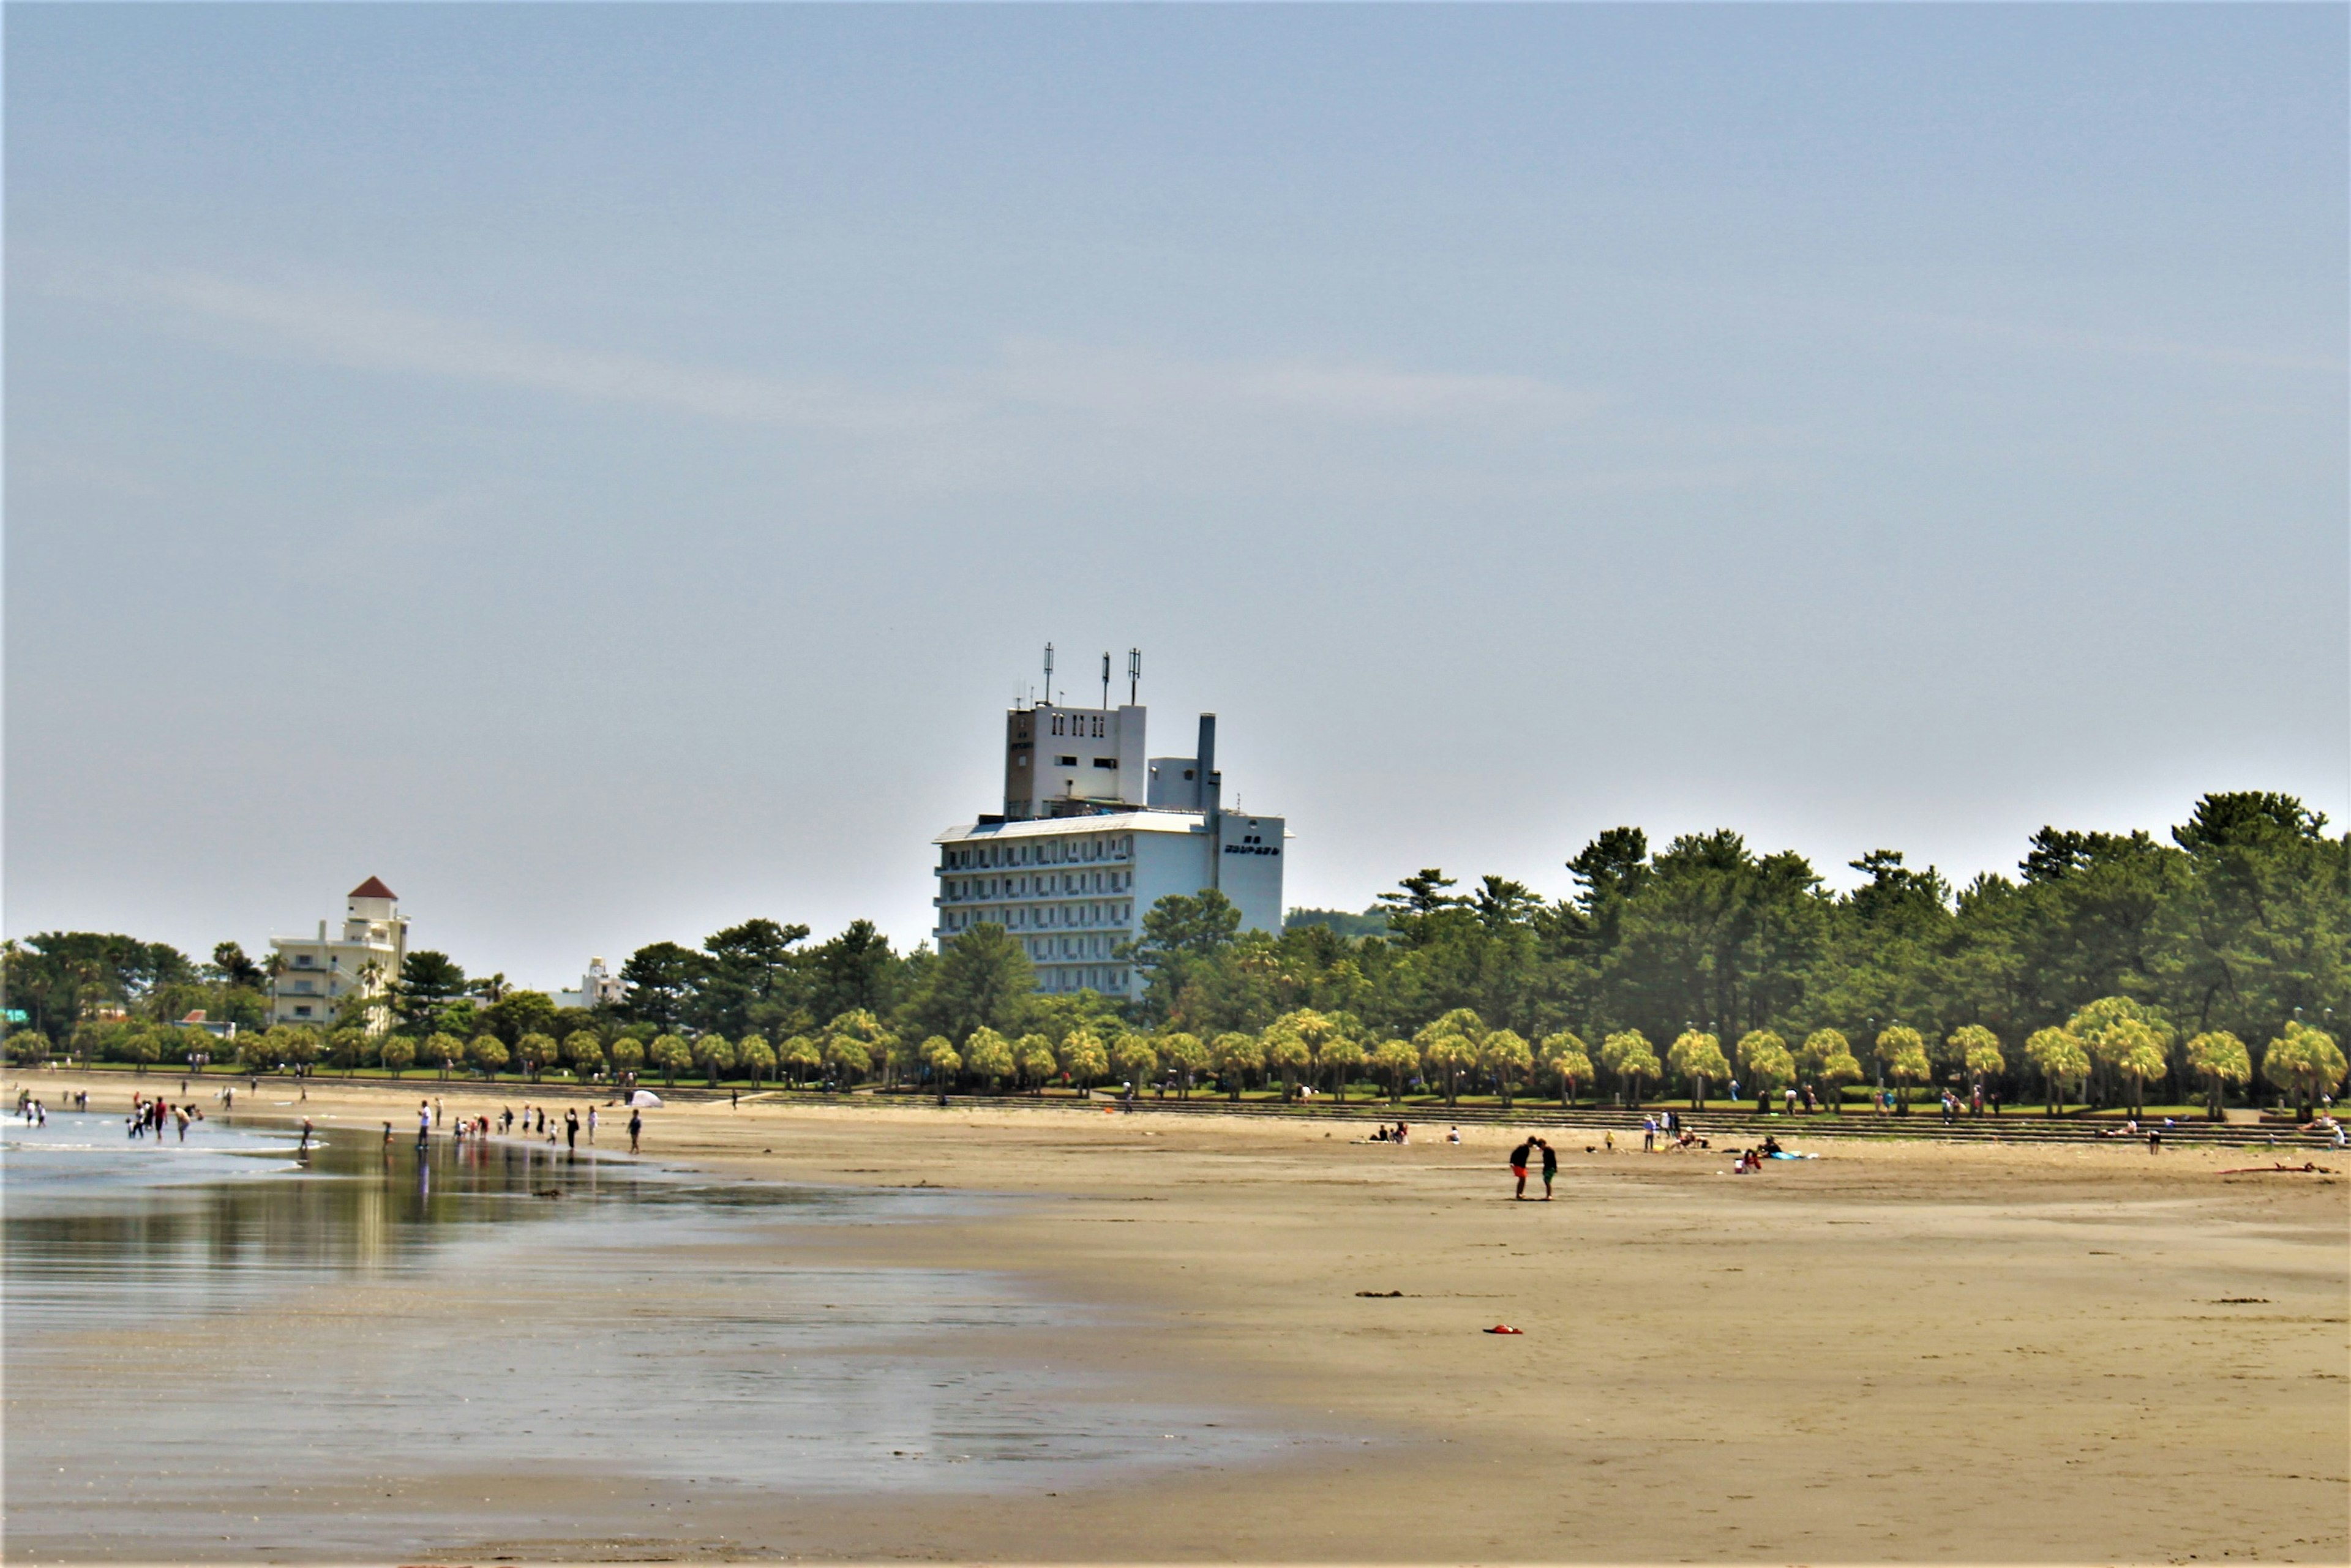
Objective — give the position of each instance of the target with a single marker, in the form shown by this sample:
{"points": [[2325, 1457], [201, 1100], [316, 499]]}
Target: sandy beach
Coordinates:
{"points": [[1902, 1350]]}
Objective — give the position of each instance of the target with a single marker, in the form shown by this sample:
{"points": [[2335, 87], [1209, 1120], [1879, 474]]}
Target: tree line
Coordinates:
{"points": [[2111, 965]]}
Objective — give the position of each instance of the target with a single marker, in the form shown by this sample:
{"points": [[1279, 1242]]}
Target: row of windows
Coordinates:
{"points": [[1047, 948], [1067, 884], [1088, 726], [1108, 764], [1026, 917], [1046, 852], [1082, 980]]}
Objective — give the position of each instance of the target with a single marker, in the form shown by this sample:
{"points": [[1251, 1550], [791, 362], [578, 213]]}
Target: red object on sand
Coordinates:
{"points": [[1504, 1328]]}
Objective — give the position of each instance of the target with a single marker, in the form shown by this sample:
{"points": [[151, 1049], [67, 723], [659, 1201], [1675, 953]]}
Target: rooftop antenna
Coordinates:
{"points": [[1049, 675], [1134, 673], [1106, 677]]}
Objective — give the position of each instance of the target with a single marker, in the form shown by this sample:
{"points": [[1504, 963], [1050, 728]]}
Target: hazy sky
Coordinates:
{"points": [[605, 470]]}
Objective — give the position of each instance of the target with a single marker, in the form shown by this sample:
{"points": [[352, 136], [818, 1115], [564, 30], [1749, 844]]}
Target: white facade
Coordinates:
{"points": [[598, 985], [1073, 865], [310, 977]]}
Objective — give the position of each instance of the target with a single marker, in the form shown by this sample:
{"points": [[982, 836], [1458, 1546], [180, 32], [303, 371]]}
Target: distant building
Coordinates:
{"points": [[311, 978], [597, 985], [1094, 831]]}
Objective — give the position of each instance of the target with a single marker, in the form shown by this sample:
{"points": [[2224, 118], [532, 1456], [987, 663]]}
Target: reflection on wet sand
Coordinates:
{"points": [[306, 1348]]}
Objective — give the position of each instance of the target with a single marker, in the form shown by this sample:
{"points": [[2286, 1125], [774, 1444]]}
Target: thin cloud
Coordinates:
{"points": [[1062, 383], [1136, 384], [345, 328]]}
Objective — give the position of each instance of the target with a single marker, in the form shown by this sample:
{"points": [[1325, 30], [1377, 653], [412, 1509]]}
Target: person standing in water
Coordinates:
{"points": [[424, 1120], [571, 1131], [303, 1147], [636, 1125]]}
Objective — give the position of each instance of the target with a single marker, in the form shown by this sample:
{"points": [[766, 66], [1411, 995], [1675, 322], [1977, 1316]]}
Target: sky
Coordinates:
{"points": [[606, 469]]}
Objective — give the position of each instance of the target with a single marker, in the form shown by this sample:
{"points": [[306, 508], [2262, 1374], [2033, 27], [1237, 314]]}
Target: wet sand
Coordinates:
{"points": [[1900, 1352]]}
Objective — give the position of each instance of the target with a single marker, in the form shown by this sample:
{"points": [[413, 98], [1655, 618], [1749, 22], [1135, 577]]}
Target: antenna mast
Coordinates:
{"points": [[1049, 675], [1134, 673], [1106, 677]]}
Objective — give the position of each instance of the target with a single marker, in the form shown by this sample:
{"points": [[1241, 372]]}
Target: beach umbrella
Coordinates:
{"points": [[644, 1097]]}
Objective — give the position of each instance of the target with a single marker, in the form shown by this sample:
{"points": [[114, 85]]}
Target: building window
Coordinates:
{"points": [[1109, 762], [1065, 762]]}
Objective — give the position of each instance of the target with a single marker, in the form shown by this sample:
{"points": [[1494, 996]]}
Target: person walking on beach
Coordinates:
{"points": [[591, 1126], [636, 1125], [303, 1147], [1648, 1134], [1551, 1165], [571, 1131], [1518, 1168]]}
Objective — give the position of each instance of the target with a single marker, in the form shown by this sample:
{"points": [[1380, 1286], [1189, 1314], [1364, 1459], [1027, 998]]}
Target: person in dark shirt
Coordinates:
{"points": [[1519, 1166], [1549, 1165]]}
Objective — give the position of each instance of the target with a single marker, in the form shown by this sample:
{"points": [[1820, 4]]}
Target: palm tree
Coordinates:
{"points": [[2139, 1054], [1506, 1055], [2220, 1058], [1038, 1063], [1448, 1045], [1902, 1050], [988, 1055], [941, 1057], [2304, 1062], [1564, 1058], [672, 1056], [1187, 1054], [1978, 1049], [1398, 1060], [1697, 1056], [1767, 1062], [1235, 1056], [1135, 1060], [1344, 1058], [1628, 1055], [2060, 1059], [714, 1055]]}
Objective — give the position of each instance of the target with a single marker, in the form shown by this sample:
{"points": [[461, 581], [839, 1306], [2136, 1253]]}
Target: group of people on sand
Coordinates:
{"points": [[30, 1109], [155, 1115], [534, 1123], [1399, 1134]]}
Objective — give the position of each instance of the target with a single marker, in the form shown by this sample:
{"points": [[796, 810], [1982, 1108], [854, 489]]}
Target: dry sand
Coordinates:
{"points": [[1902, 1350]]}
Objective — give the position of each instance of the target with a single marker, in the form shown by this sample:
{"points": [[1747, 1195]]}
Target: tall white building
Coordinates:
{"points": [[1093, 831], [312, 976]]}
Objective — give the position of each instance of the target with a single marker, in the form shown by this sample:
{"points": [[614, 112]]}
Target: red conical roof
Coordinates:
{"points": [[371, 888]]}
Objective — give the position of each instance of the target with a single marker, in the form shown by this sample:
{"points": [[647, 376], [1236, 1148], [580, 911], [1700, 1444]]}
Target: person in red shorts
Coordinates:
{"points": [[1519, 1166]]}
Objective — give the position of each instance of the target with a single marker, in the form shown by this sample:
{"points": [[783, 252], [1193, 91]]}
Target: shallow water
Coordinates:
{"points": [[194, 1327]]}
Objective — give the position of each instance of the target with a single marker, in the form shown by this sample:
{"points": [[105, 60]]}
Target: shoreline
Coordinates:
{"points": [[1905, 1350]]}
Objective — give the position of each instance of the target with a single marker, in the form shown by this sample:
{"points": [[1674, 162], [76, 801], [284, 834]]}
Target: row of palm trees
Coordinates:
{"points": [[2127, 1044]]}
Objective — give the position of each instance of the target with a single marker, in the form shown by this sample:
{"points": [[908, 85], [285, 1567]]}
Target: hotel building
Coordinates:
{"points": [[1093, 831], [312, 976]]}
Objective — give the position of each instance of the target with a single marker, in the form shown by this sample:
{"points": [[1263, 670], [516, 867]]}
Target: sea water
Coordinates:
{"points": [[190, 1323]]}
